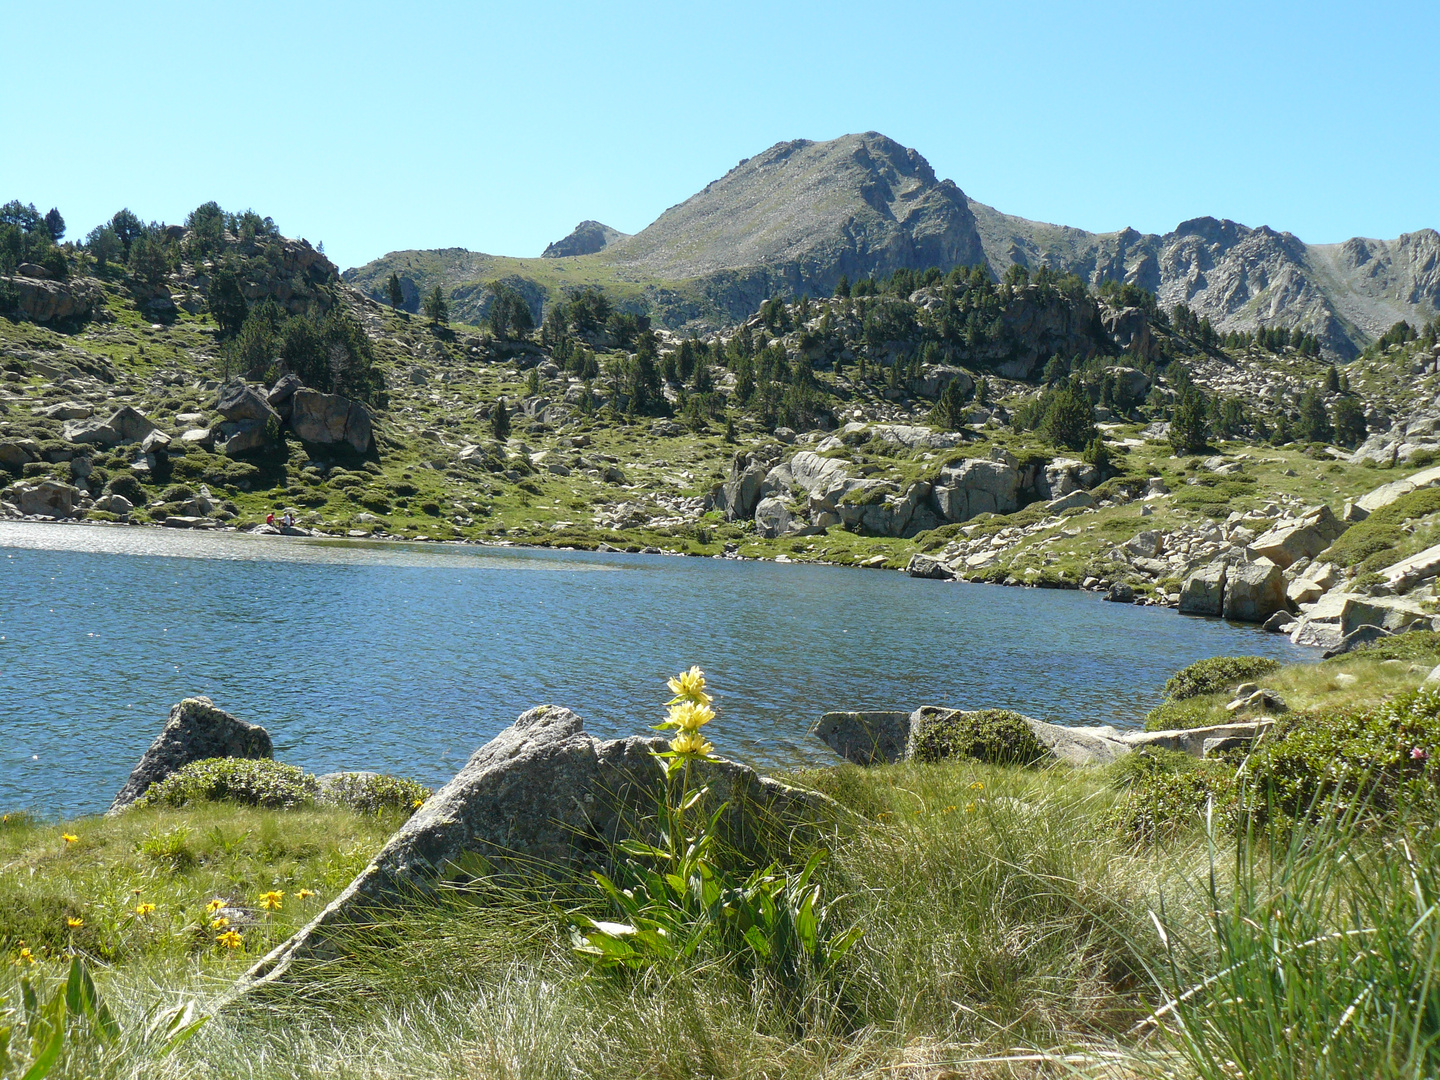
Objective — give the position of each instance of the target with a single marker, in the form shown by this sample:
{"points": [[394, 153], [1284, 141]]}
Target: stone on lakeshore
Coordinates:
{"points": [[1203, 592], [927, 566], [866, 738], [196, 730], [1254, 591], [1072, 746], [1120, 593], [1192, 740], [48, 498], [542, 799]]}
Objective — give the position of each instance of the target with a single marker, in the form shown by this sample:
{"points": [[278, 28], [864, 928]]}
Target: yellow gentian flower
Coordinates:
{"points": [[688, 716], [691, 743], [689, 686]]}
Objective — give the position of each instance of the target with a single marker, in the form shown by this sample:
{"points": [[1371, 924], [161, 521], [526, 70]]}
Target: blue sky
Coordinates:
{"points": [[374, 127]]}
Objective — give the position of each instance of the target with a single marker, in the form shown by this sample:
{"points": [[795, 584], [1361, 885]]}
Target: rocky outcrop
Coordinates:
{"points": [[1203, 592], [196, 730], [978, 486], [47, 498], [41, 301], [1253, 591], [585, 239], [125, 425], [330, 419], [1301, 538], [541, 798]]}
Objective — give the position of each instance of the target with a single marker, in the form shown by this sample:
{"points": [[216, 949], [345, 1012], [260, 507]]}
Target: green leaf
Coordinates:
{"points": [[45, 1059], [757, 942]]}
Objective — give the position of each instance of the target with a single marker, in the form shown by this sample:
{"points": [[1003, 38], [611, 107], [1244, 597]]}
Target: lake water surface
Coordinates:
{"points": [[406, 657]]}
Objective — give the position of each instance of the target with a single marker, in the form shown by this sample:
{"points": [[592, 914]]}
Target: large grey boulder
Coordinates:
{"points": [[1298, 538], [239, 402], [1385, 494], [48, 498], [1254, 591], [17, 453], [1068, 745], [772, 518], [329, 418], [866, 738], [1203, 592], [927, 566], [196, 730], [977, 486], [126, 425], [543, 798]]}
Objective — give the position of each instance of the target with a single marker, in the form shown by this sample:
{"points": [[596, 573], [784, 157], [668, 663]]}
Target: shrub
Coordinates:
{"points": [[1143, 765], [1361, 541], [992, 736], [127, 487], [1417, 645], [1216, 675], [368, 792], [261, 782], [1162, 803], [1384, 757]]}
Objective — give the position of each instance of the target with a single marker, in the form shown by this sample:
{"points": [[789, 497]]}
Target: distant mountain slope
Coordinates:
{"points": [[795, 218]]}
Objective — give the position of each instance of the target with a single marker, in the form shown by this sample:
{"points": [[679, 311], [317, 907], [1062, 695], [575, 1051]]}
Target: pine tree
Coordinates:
{"points": [[1189, 427], [842, 287], [1069, 419], [397, 294], [436, 309], [227, 302], [500, 421], [949, 411], [1332, 380]]}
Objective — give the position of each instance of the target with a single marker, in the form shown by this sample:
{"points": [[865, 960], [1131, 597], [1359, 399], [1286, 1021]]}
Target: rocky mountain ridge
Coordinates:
{"points": [[795, 218]]}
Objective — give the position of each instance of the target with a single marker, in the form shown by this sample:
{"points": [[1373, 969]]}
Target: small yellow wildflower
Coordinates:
{"points": [[689, 686], [304, 894], [969, 808], [219, 923], [884, 814], [231, 940], [26, 957], [214, 905], [270, 901], [977, 786], [417, 804], [69, 838], [73, 923], [950, 809], [144, 909]]}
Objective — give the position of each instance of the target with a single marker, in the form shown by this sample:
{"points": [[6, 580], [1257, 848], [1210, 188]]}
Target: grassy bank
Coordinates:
{"points": [[1013, 922]]}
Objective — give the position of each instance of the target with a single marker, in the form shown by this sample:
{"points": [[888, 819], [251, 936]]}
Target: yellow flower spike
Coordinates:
{"points": [[691, 743], [688, 716], [304, 894], [69, 838], [231, 940], [270, 901], [219, 923], [144, 909], [74, 923], [689, 686], [214, 905]]}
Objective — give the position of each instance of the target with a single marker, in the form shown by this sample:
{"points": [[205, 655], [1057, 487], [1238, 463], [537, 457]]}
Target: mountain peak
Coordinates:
{"points": [[585, 239]]}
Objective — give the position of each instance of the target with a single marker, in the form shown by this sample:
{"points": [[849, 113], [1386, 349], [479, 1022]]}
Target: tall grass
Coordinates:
{"points": [[1319, 949]]}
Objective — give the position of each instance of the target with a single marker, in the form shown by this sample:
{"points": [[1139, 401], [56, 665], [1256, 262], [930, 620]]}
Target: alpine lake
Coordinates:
{"points": [[406, 657]]}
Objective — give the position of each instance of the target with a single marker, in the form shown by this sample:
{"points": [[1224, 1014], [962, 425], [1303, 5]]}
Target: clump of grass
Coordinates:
{"points": [[1216, 674]]}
